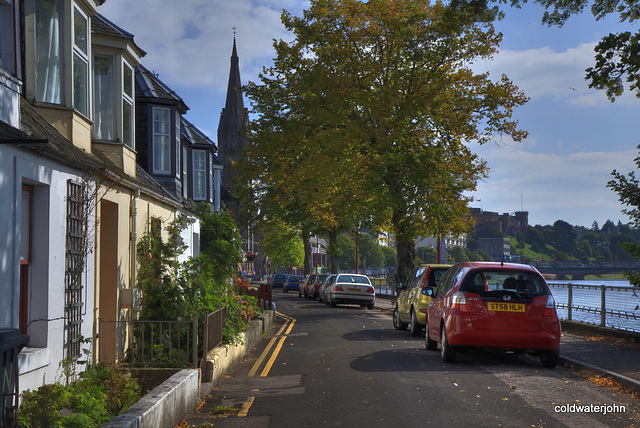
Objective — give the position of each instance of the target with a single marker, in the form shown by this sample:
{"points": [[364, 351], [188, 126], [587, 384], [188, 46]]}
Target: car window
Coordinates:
{"points": [[417, 274], [353, 279], [436, 276], [450, 278], [496, 283]]}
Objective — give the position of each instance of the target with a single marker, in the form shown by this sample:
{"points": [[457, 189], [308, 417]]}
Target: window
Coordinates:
{"points": [[127, 105], [161, 140], [25, 254], [103, 93], [80, 62], [178, 149], [7, 36], [199, 174], [185, 173], [48, 51]]}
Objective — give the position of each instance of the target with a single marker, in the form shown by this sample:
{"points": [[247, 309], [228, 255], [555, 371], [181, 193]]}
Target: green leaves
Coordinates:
{"points": [[366, 117]]}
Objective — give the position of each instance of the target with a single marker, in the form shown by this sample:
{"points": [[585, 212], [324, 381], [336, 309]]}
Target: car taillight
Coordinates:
{"points": [[550, 308], [371, 290], [459, 302], [338, 288]]}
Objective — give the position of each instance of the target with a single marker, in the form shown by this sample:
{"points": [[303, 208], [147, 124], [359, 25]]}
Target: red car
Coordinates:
{"points": [[493, 305]]}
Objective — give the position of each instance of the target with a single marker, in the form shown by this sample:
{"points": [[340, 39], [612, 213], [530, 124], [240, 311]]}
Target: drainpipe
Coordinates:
{"points": [[133, 239]]}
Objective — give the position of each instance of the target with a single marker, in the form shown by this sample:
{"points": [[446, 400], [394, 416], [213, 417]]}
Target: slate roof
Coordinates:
{"points": [[39, 135], [102, 26], [195, 136], [148, 85]]}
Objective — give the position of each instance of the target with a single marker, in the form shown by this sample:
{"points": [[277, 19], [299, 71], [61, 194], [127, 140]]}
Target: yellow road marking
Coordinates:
{"points": [[288, 326], [245, 408]]}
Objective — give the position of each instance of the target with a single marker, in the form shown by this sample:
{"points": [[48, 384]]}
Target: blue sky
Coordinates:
{"points": [[576, 136]]}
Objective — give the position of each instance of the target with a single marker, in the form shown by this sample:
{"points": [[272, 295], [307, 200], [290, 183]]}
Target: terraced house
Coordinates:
{"points": [[93, 150]]}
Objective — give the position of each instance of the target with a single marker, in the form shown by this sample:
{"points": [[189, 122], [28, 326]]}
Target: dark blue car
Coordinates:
{"points": [[279, 279], [292, 283]]}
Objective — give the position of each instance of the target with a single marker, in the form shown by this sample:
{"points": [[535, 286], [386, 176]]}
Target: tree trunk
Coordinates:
{"points": [[334, 259], [406, 251], [308, 255]]}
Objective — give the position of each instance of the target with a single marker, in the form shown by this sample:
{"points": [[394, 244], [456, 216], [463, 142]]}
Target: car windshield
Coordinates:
{"points": [[295, 278], [280, 276], [487, 283], [353, 279]]}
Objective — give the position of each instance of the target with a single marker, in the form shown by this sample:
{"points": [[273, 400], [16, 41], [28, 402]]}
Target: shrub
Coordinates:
{"points": [[100, 394]]}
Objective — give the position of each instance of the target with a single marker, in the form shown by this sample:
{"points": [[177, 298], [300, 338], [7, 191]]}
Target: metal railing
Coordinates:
{"points": [[606, 306], [149, 343], [384, 284], [213, 326]]}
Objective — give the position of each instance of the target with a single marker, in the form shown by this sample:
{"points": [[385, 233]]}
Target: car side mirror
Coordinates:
{"points": [[399, 286], [428, 291]]}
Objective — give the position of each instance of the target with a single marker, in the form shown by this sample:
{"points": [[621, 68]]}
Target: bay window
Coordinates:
{"points": [[127, 104], [80, 62], [161, 140], [49, 71], [8, 36], [199, 174], [104, 126]]}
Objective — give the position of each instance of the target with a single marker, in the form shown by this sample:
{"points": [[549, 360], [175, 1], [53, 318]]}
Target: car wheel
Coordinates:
{"points": [[399, 325], [415, 327], [549, 358], [332, 302], [370, 305], [447, 351], [326, 300], [429, 343]]}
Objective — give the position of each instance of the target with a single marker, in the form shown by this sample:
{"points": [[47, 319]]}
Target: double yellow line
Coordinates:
{"points": [[280, 337]]}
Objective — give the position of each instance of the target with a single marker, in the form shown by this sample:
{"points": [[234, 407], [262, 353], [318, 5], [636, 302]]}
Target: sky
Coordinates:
{"points": [[577, 137]]}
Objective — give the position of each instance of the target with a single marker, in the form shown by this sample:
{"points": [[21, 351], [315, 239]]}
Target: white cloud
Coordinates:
{"points": [[553, 187], [189, 42], [544, 72]]}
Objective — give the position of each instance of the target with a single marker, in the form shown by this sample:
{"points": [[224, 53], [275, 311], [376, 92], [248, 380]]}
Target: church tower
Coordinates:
{"points": [[233, 123], [231, 141]]}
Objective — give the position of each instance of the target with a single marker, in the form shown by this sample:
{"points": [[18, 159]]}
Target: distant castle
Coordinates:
{"points": [[506, 223]]}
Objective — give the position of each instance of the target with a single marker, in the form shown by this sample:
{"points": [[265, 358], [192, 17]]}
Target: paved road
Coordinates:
{"points": [[348, 367]]}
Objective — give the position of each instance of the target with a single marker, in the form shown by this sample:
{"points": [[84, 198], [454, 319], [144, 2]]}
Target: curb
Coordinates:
{"points": [[579, 365]]}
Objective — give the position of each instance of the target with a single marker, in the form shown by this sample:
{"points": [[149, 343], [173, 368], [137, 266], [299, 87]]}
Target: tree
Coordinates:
{"points": [[375, 104], [282, 245], [617, 57]]}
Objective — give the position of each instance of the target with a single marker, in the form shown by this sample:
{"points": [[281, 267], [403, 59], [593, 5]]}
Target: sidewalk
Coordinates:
{"points": [[617, 355]]}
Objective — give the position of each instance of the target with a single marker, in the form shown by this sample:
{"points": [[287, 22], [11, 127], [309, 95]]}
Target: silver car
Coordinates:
{"points": [[322, 293], [351, 288]]}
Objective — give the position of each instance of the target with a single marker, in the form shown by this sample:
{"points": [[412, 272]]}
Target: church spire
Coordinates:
{"points": [[233, 119]]}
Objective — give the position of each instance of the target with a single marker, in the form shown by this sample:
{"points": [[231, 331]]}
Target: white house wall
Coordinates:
{"points": [[40, 362]]}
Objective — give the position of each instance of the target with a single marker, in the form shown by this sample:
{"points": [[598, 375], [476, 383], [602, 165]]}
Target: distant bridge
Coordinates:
{"points": [[578, 270]]}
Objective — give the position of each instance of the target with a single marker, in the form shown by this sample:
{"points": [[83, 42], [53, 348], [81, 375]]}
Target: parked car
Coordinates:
{"points": [[494, 305], [278, 280], [412, 301], [322, 294], [303, 290], [292, 283], [314, 289], [350, 288]]}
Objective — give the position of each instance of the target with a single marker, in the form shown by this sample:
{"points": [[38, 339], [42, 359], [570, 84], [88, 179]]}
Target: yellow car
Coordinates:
{"points": [[411, 305]]}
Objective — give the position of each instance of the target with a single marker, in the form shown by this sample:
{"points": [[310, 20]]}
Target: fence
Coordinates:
{"points": [[384, 284], [607, 306], [165, 343], [149, 343], [213, 326]]}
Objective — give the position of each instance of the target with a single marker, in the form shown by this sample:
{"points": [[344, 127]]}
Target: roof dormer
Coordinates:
{"points": [[115, 56], [58, 58]]}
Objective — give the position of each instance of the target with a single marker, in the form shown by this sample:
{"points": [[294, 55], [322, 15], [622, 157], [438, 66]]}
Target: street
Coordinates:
{"points": [[348, 366]]}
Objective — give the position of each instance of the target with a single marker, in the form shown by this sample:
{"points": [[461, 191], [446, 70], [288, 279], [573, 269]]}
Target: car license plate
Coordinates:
{"points": [[354, 289], [506, 307]]}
